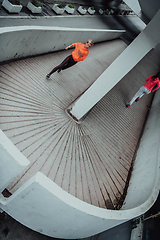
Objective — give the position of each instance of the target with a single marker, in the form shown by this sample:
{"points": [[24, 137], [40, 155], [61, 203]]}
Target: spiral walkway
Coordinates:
{"points": [[90, 160]]}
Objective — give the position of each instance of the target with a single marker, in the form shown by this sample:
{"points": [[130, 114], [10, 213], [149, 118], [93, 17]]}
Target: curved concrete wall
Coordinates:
{"points": [[23, 41], [12, 161], [53, 212]]}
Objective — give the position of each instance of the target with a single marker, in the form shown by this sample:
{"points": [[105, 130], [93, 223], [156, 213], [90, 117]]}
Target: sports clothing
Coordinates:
{"points": [[139, 94], [68, 62], [147, 88], [152, 83], [79, 54], [79, 47]]}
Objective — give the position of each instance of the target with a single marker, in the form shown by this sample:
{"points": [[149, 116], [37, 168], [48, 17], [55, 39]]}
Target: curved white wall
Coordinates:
{"points": [[43, 206], [12, 161], [23, 41]]}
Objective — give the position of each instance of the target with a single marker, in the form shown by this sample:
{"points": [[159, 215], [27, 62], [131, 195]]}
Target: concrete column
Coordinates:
{"points": [[144, 42], [134, 5]]}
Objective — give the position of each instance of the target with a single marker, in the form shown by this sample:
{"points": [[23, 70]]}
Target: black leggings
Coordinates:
{"points": [[68, 62]]}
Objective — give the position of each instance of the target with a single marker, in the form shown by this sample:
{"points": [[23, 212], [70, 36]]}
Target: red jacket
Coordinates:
{"points": [[151, 83]]}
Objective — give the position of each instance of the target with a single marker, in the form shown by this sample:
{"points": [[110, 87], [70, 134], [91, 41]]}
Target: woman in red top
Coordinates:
{"points": [[152, 81], [79, 54]]}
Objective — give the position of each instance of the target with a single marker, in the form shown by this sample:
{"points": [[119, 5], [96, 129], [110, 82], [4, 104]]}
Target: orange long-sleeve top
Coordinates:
{"points": [[79, 47], [151, 83]]}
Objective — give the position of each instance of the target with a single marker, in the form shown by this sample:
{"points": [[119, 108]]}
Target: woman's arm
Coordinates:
{"points": [[149, 78], [69, 47]]}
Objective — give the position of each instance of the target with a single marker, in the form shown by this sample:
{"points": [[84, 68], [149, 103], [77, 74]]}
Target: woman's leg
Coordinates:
{"points": [[65, 62], [139, 94], [69, 63]]}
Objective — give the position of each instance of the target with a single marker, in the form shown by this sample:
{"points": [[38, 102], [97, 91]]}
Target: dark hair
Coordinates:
{"points": [[156, 76]]}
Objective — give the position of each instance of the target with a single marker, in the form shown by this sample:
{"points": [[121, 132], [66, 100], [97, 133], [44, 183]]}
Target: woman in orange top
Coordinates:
{"points": [[79, 54], [153, 83]]}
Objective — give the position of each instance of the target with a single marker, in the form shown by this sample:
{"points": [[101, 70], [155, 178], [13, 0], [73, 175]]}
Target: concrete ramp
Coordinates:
{"points": [[90, 160], [84, 167]]}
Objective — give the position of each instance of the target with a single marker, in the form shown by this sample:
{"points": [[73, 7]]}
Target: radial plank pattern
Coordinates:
{"points": [[89, 160]]}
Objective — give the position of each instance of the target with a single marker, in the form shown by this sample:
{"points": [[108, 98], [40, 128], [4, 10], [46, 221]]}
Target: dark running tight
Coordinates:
{"points": [[68, 62]]}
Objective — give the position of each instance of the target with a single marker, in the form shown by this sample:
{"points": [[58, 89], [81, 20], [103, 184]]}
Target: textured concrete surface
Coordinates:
{"points": [[10, 229], [91, 160]]}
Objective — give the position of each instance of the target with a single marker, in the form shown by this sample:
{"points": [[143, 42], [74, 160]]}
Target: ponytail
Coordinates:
{"points": [[156, 76]]}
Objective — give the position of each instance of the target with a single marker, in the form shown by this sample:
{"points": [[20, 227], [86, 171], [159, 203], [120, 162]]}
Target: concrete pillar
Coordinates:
{"points": [[144, 42], [134, 5]]}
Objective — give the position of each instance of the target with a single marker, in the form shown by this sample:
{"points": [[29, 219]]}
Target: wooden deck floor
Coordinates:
{"points": [[90, 160]]}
